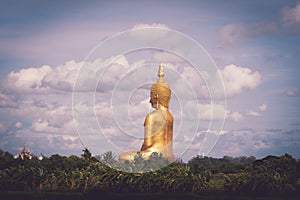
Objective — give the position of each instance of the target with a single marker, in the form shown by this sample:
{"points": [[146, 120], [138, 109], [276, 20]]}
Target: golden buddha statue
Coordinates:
{"points": [[158, 133]]}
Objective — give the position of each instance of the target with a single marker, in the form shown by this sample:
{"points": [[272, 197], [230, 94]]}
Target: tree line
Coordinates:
{"points": [[271, 175]]}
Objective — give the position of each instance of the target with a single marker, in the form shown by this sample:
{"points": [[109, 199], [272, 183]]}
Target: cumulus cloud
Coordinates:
{"points": [[257, 142], [241, 142], [44, 126], [30, 79], [44, 143], [62, 77], [258, 111], [49, 116], [49, 126], [47, 79], [236, 116], [238, 79], [42, 79]]}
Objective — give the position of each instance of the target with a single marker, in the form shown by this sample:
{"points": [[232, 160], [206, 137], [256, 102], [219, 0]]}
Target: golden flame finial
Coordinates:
{"points": [[161, 71]]}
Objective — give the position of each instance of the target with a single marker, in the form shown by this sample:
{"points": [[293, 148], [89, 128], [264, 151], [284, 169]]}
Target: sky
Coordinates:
{"points": [[45, 45]]}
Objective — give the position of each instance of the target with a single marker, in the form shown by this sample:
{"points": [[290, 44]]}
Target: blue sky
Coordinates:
{"points": [[253, 43]]}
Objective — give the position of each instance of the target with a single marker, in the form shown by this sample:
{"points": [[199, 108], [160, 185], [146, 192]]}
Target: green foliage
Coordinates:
{"points": [[243, 175], [270, 175], [223, 165]]}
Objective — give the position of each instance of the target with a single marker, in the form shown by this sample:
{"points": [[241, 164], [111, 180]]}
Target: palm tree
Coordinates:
{"points": [[87, 155], [109, 159]]}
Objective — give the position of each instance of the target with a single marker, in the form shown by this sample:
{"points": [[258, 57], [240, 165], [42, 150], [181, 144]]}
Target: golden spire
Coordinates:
{"points": [[161, 71], [161, 74]]}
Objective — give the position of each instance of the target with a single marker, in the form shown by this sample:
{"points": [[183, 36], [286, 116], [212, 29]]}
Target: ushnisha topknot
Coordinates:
{"points": [[161, 90]]}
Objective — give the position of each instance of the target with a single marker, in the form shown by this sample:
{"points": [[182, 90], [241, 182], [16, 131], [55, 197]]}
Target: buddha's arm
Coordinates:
{"points": [[147, 133]]}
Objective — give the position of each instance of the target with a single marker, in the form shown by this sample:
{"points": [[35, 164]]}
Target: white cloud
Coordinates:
{"points": [[292, 14], [236, 116], [242, 142], [51, 117], [48, 143], [253, 113], [155, 25], [41, 79], [238, 79], [18, 125], [291, 18], [219, 132], [44, 126], [30, 79], [249, 142], [258, 111], [62, 77], [263, 107], [47, 79]]}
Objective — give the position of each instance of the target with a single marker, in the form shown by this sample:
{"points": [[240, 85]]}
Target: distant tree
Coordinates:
{"points": [[270, 175], [6, 159], [109, 159], [86, 155], [54, 162], [156, 161]]}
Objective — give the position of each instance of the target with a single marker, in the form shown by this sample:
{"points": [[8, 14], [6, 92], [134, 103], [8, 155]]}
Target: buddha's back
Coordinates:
{"points": [[158, 135]]}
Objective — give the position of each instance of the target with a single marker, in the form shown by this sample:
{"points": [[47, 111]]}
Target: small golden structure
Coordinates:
{"points": [[158, 132], [25, 153]]}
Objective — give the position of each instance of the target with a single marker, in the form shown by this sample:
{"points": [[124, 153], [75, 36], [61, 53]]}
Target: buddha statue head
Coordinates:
{"points": [[160, 91]]}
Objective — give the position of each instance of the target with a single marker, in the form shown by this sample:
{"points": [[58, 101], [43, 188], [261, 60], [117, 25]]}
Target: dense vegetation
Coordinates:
{"points": [[243, 175]]}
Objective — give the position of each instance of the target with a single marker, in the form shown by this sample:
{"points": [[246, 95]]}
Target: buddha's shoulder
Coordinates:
{"points": [[155, 112], [158, 113], [150, 117], [151, 114]]}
